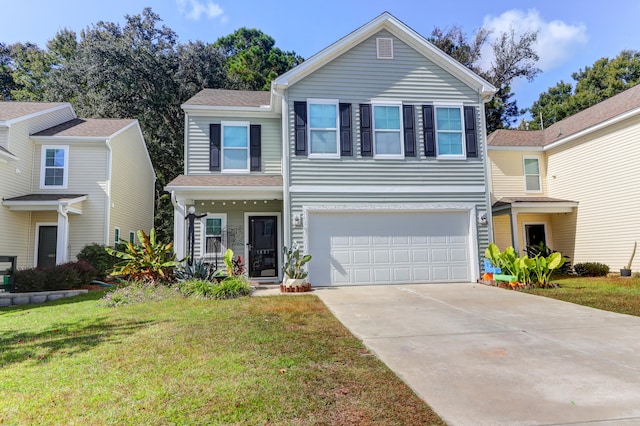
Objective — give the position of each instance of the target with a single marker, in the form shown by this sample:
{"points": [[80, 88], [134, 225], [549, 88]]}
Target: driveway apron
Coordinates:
{"points": [[481, 355]]}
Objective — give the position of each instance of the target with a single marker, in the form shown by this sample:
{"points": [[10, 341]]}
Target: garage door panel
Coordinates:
{"points": [[385, 247]]}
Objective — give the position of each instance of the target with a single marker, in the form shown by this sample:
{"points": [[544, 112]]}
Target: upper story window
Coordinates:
{"points": [[387, 131], [235, 146], [54, 167], [532, 177], [213, 241], [323, 128], [449, 131]]}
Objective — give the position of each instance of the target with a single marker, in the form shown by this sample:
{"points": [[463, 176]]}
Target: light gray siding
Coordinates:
{"points": [[197, 151]]}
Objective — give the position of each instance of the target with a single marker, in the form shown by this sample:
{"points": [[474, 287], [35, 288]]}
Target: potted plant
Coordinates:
{"points": [[295, 277], [626, 272]]}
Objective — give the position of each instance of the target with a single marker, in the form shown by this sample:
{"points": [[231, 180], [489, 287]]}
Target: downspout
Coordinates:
{"points": [[107, 204]]}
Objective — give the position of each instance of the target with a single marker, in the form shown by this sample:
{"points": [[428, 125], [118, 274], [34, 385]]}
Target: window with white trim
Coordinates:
{"points": [[323, 128], [213, 235], [532, 178], [449, 131], [235, 146], [116, 236], [132, 237], [387, 131], [54, 168]]}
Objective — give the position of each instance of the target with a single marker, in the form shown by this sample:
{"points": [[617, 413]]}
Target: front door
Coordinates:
{"points": [[47, 242], [263, 247], [535, 234]]}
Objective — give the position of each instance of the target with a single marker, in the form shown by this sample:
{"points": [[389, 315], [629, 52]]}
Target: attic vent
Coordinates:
{"points": [[385, 48]]}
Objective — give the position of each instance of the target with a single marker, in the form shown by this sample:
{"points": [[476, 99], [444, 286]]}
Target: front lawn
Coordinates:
{"points": [[273, 360], [614, 294]]}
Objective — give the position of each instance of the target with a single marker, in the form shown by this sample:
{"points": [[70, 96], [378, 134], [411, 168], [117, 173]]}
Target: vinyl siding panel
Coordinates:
{"points": [[16, 179], [197, 151], [507, 174], [502, 231], [132, 185], [601, 173], [4, 138]]}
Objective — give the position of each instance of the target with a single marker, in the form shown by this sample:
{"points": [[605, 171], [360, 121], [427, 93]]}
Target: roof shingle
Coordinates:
{"points": [[12, 109], [230, 98], [87, 127], [226, 180]]}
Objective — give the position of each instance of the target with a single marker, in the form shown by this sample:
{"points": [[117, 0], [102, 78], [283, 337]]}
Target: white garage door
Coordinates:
{"points": [[388, 247]]}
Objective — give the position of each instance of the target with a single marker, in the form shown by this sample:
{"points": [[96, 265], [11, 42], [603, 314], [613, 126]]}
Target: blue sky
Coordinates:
{"points": [[571, 36]]}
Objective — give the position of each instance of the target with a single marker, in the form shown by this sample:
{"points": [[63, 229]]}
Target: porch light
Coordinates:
{"points": [[297, 220], [482, 219]]}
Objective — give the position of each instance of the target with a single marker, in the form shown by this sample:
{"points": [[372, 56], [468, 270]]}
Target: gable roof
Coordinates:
{"points": [[12, 110], [388, 22], [87, 128], [230, 98], [604, 113]]}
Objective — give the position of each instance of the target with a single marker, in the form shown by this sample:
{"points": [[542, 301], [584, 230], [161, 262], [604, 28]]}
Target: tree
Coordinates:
{"points": [[253, 61], [513, 58], [6, 80], [605, 78]]}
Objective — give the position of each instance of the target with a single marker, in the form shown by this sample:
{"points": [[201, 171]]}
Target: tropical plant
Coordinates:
{"points": [[294, 262], [633, 254], [151, 260], [535, 271], [199, 269]]}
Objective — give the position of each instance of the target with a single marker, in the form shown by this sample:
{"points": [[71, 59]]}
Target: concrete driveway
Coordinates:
{"points": [[480, 355]]}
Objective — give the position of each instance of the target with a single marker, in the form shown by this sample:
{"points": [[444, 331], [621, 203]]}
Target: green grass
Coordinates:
{"points": [[273, 360], [614, 294]]}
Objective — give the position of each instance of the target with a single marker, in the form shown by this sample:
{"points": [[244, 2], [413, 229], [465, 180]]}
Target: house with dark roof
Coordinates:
{"points": [[572, 185], [66, 182], [371, 155]]}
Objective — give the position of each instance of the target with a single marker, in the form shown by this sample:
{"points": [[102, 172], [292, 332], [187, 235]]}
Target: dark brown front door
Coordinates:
{"points": [[47, 242], [263, 246]]}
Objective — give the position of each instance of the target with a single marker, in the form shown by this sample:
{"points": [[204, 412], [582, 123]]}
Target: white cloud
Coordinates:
{"points": [[556, 39], [196, 9]]}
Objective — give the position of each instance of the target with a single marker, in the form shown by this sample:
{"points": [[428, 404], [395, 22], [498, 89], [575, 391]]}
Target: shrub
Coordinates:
{"points": [[196, 287], [130, 293], [591, 269], [59, 277], [232, 287], [197, 270], [96, 256]]}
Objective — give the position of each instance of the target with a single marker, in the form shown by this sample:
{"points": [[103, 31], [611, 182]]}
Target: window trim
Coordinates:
{"points": [[247, 126], [132, 237], [436, 131], [374, 131], [203, 235], [116, 236], [524, 174], [43, 167], [317, 101]]}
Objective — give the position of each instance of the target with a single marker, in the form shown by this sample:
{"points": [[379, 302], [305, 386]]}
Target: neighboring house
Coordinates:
{"points": [[66, 182], [573, 185], [371, 155]]}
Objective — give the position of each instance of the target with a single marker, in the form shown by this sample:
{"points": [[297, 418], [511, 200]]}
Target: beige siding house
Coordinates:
{"points": [[572, 185], [371, 155], [66, 182]]}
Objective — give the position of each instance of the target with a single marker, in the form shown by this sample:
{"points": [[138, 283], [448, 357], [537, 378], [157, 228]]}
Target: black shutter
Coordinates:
{"points": [[300, 112], [255, 147], [365, 131], [345, 130], [409, 131], [214, 147], [429, 132], [470, 131]]}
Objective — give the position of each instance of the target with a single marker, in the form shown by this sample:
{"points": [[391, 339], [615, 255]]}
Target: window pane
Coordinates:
{"points": [[323, 142], [213, 244], [531, 166], [533, 183], [235, 159], [449, 119], [235, 136], [449, 143], [388, 143], [54, 158], [54, 177], [386, 117], [214, 226], [322, 116]]}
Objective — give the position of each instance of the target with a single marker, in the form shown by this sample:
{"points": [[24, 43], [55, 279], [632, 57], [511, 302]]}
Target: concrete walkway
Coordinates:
{"points": [[481, 355]]}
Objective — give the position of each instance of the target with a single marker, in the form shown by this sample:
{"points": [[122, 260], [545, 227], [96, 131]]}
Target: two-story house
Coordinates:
{"points": [[572, 185], [371, 155], [66, 182]]}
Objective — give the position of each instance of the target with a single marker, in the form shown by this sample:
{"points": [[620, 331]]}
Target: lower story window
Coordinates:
{"points": [[214, 240]]}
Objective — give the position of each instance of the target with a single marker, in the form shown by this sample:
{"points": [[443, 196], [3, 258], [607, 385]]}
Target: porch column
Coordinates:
{"points": [[514, 230], [62, 242], [178, 227]]}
